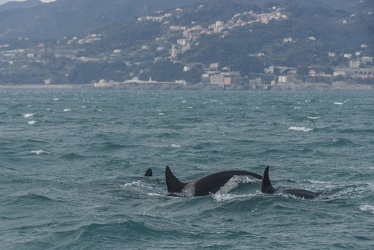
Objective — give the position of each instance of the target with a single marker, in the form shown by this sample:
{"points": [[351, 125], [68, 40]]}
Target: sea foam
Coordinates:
{"points": [[221, 197], [303, 129], [38, 152], [28, 115], [367, 208], [313, 117]]}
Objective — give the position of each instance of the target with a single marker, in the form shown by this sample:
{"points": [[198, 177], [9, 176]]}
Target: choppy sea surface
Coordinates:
{"points": [[72, 165]]}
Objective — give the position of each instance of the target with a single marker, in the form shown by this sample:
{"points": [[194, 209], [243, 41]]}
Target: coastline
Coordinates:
{"points": [[203, 87], [44, 86]]}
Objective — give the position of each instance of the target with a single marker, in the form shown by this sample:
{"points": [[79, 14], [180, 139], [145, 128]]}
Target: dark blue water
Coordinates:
{"points": [[72, 166]]}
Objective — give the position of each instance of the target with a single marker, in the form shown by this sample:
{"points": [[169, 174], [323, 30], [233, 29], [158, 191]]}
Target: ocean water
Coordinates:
{"points": [[72, 165]]}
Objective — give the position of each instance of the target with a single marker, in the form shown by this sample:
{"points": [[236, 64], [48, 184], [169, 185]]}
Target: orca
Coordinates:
{"points": [[148, 173], [202, 186], [267, 188]]}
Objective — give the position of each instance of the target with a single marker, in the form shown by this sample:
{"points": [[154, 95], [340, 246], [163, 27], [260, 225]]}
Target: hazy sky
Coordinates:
{"points": [[4, 1]]}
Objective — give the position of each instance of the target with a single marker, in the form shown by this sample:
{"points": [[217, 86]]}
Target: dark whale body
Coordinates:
{"points": [[267, 188], [205, 185]]}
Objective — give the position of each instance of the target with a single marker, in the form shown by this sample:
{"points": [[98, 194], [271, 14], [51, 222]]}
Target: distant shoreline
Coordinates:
{"points": [[44, 86], [207, 87]]}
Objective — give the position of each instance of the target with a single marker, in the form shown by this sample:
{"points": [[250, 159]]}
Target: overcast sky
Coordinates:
{"points": [[4, 1]]}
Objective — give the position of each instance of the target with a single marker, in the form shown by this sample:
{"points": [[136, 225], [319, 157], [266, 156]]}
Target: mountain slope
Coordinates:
{"points": [[69, 17], [19, 5]]}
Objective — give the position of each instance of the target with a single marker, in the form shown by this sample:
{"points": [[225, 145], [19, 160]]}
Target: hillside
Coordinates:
{"points": [[68, 17], [236, 42], [248, 36], [19, 5]]}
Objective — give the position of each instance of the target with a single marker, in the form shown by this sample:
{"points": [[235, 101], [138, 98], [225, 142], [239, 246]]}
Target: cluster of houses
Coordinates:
{"points": [[359, 65], [193, 33]]}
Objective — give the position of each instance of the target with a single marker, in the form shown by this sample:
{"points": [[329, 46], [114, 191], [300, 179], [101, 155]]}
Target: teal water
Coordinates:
{"points": [[72, 166]]}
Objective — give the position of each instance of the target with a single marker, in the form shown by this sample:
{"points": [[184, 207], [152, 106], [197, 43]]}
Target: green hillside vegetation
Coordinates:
{"points": [[294, 34]]}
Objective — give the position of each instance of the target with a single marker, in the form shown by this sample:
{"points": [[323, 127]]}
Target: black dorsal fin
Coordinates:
{"points": [[148, 172], [173, 184], [266, 186]]}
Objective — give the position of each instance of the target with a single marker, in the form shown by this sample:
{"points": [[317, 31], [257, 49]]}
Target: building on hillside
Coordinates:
{"points": [[312, 72], [217, 79], [354, 64], [288, 40], [282, 79], [339, 73], [103, 84], [367, 59], [331, 54], [174, 52]]}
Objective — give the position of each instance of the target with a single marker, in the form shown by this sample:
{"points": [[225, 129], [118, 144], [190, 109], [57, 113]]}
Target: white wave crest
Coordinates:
{"points": [[38, 152], [367, 208], [175, 146], [313, 117], [67, 110], [154, 194], [338, 103], [220, 197], [234, 183], [31, 122], [303, 129], [149, 215], [28, 115], [134, 183]]}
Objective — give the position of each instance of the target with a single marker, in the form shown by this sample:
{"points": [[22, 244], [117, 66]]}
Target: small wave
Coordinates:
{"points": [[175, 146], [313, 117], [154, 194], [31, 122], [28, 115], [220, 197], [338, 103], [348, 192], [303, 129], [234, 182], [367, 208], [38, 152], [35, 197], [134, 183], [71, 156], [341, 142], [67, 110], [149, 215]]}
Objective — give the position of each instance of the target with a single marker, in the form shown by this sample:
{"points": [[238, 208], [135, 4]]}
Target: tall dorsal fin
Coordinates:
{"points": [[173, 184], [266, 186], [149, 172]]}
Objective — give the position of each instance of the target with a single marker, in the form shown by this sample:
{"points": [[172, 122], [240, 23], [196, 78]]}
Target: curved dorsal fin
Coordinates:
{"points": [[173, 184], [266, 186], [149, 172]]}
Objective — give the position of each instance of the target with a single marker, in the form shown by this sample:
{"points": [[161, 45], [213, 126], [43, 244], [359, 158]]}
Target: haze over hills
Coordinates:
{"points": [[213, 41], [19, 5], [35, 20]]}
